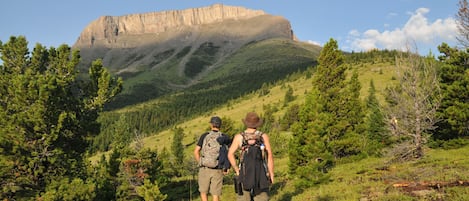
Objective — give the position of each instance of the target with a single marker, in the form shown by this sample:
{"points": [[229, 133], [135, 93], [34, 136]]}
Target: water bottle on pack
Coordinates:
{"points": [[263, 150]]}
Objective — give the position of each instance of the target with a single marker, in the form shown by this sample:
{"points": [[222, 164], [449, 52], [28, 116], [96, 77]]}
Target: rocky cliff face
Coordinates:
{"points": [[106, 31], [176, 48]]}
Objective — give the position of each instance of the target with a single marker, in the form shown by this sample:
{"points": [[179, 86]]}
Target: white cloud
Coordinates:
{"points": [[314, 42], [417, 31]]}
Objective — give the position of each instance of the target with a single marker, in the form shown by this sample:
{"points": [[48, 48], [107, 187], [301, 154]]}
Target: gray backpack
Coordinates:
{"points": [[210, 150]]}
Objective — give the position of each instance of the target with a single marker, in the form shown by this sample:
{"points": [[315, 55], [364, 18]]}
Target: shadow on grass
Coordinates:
{"points": [[181, 190], [275, 189]]}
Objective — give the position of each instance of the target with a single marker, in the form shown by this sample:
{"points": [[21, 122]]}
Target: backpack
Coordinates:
{"points": [[253, 173], [210, 151]]}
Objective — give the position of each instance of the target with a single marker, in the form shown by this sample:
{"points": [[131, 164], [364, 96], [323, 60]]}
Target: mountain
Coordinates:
{"points": [[160, 52], [185, 25]]}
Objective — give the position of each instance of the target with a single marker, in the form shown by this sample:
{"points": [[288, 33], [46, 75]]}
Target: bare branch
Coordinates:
{"points": [[414, 101]]}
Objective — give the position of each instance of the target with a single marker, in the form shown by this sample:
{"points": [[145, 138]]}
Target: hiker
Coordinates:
{"points": [[211, 155], [255, 171]]}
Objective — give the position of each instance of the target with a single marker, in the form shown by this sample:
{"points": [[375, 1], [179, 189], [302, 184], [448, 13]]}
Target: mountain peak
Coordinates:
{"points": [[105, 30]]}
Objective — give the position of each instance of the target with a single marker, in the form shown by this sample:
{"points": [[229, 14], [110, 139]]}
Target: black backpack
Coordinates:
{"points": [[253, 173]]}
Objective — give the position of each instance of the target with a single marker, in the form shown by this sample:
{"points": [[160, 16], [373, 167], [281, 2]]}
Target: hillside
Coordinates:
{"points": [[162, 52], [367, 179], [381, 73], [65, 135], [254, 66], [182, 86]]}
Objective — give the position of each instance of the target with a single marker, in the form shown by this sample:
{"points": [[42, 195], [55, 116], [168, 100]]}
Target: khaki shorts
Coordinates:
{"points": [[210, 180]]}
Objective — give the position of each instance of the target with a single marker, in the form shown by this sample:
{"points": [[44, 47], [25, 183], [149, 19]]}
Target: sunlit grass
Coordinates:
{"points": [[367, 179]]}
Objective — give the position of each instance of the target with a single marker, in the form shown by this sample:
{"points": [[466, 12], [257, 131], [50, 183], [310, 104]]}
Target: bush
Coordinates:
{"points": [[449, 144], [65, 189]]}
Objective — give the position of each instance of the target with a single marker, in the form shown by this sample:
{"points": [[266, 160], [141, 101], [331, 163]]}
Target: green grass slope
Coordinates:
{"points": [[440, 175]]}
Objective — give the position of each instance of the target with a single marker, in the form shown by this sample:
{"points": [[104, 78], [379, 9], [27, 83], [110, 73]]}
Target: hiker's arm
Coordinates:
{"points": [[198, 147], [197, 153], [231, 153], [270, 158]]}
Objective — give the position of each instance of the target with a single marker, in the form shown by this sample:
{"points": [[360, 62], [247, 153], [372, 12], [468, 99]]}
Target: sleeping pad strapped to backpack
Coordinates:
{"points": [[253, 172]]}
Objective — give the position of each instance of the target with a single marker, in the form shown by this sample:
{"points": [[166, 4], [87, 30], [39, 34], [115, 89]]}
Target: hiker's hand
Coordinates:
{"points": [[237, 172], [225, 172]]}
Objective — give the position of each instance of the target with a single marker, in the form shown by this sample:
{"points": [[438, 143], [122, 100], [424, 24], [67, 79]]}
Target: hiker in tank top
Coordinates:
{"points": [[210, 177], [254, 179]]}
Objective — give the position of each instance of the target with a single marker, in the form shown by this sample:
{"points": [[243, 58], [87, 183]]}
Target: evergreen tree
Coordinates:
{"points": [[121, 133], [47, 116], [150, 191], [350, 123], [69, 190], [375, 122], [308, 153], [454, 79], [269, 119], [290, 117], [330, 120], [165, 158], [139, 174], [177, 148], [289, 97], [227, 127]]}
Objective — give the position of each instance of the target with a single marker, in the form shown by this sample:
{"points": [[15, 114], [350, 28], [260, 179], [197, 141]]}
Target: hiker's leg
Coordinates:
{"points": [[216, 184], [204, 182], [203, 196]]}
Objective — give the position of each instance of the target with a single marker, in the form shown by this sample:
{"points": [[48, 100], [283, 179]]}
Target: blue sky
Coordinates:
{"points": [[357, 25]]}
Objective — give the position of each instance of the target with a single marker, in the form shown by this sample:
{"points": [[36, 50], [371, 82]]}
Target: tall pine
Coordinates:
{"points": [[375, 123], [329, 121]]}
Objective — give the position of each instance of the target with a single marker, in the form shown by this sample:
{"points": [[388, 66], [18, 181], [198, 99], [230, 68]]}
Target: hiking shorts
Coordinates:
{"points": [[210, 180]]}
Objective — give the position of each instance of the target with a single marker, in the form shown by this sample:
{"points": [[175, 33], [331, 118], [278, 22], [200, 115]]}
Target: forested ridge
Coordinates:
{"points": [[252, 73], [53, 120]]}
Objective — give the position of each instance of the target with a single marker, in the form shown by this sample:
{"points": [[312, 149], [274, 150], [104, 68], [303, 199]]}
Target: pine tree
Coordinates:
{"points": [[454, 79], [177, 149], [349, 122], [290, 117], [139, 175], [289, 97], [375, 122], [329, 121], [308, 152], [47, 116]]}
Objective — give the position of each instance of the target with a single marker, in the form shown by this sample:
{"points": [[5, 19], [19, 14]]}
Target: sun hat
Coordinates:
{"points": [[252, 120]]}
